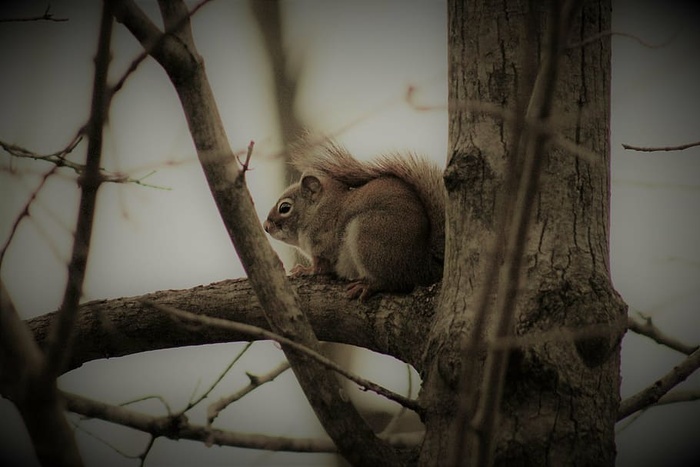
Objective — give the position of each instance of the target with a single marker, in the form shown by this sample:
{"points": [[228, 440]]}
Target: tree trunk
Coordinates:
{"points": [[561, 390]]}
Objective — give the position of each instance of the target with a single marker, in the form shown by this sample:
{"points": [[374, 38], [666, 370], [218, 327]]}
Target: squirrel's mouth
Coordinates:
{"points": [[274, 230]]}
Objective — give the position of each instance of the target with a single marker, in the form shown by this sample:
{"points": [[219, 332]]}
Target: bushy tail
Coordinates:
{"points": [[424, 176]]}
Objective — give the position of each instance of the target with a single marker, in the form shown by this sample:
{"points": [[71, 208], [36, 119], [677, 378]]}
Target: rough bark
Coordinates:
{"points": [[561, 395], [394, 325]]}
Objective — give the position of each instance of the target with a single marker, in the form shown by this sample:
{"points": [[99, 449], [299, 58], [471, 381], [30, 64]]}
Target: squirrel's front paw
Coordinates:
{"points": [[359, 289], [301, 270]]}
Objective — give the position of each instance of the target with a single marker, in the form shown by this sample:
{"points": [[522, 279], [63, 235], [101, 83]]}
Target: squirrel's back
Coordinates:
{"points": [[423, 176]]}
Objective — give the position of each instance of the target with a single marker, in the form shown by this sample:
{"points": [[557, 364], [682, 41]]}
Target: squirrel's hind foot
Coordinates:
{"points": [[359, 290]]}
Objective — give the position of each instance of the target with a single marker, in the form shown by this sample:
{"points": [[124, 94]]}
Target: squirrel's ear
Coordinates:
{"points": [[311, 186]]}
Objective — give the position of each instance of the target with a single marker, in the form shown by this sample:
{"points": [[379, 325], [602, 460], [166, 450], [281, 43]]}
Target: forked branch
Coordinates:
{"points": [[177, 54]]}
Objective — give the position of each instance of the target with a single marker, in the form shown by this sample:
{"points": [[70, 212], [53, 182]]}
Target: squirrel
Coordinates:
{"points": [[380, 224]]}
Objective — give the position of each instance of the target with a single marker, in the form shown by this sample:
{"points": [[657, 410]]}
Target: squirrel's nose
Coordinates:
{"points": [[267, 225]]}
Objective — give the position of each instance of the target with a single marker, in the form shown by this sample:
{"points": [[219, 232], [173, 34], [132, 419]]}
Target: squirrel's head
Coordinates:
{"points": [[296, 206]]}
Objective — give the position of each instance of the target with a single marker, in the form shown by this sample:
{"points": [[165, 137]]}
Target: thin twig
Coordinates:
{"points": [[146, 398], [255, 382], [25, 212], [651, 395], [58, 158], [249, 153], [648, 329], [265, 334], [609, 33], [218, 380], [113, 447], [47, 16], [147, 450], [680, 147], [393, 423]]}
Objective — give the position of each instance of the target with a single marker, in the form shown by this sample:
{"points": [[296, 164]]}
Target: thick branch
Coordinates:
{"points": [[393, 324]]}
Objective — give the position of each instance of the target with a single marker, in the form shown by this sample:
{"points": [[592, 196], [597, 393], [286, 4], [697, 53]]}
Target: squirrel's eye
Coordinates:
{"points": [[285, 207]]}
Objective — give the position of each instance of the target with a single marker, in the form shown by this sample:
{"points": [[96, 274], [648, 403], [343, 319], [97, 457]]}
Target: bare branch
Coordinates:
{"points": [[215, 408], [218, 380], [58, 158], [25, 212], [61, 337], [393, 423], [183, 64], [47, 16], [672, 397], [653, 393], [133, 66], [103, 441], [261, 333], [178, 427], [157, 397], [662, 148], [648, 329], [124, 326], [675, 397]]}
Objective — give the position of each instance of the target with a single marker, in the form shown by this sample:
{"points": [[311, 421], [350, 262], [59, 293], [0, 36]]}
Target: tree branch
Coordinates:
{"points": [[390, 324], [61, 336], [680, 147], [178, 427], [648, 329], [215, 408], [58, 158], [674, 397], [47, 16], [36, 398], [261, 333], [25, 212], [653, 393], [184, 66]]}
